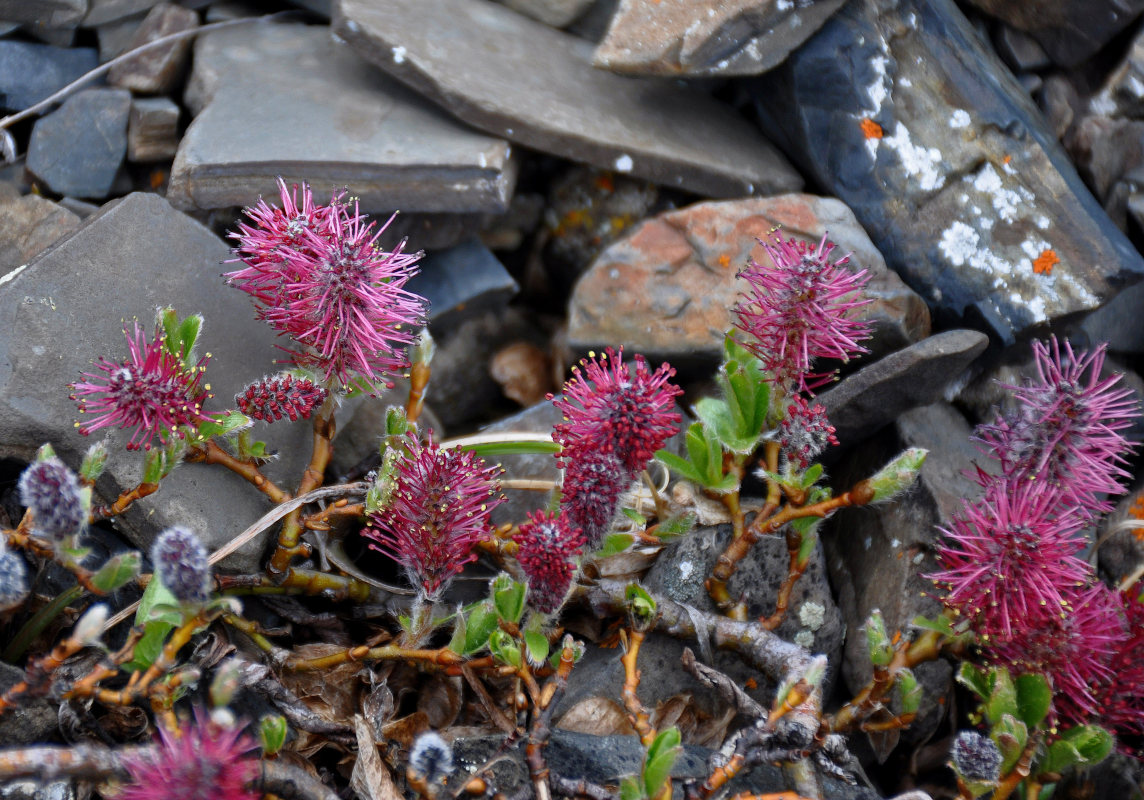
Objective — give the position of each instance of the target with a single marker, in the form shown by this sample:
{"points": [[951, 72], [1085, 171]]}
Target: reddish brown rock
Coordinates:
{"points": [[28, 225], [707, 37], [668, 288]]}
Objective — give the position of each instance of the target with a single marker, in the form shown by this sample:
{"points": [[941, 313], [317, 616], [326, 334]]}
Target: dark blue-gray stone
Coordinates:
{"points": [[78, 149], [897, 108], [30, 72], [462, 282]]}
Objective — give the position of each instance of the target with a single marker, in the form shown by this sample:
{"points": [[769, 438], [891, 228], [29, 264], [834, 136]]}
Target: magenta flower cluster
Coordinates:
{"points": [[800, 309], [616, 416], [1010, 564], [271, 399], [317, 275], [547, 550], [201, 761], [438, 513], [153, 391]]}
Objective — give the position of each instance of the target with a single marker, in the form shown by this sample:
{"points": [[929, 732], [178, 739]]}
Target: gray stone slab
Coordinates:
{"points": [[286, 100], [462, 282], [44, 13], [156, 71], [707, 37], [556, 13], [878, 555], [514, 77], [29, 224], [876, 395], [948, 165], [102, 11], [152, 129], [78, 149], [69, 305], [30, 72]]}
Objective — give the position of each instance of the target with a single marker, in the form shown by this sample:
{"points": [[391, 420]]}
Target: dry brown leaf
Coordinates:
{"points": [[370, 777], [599, 716], [329, 693], [405, 730], [630, 564], [440, 698]]}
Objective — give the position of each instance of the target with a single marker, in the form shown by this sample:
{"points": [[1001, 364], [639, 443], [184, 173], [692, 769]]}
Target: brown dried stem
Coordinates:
{"points": [[288, 544], [795, 570], [541, 729], [637, 714], [38, 675], [442, 658], [1009, 783], [728, 562], [210, 453], [122, 503]]}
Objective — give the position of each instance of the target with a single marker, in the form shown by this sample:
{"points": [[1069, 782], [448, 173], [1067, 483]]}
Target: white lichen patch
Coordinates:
{"points": [[812, 615], [1008, 203], [958, 243], [804, 639], [624, 163], [923, 163], [959, 118], [685, 570], [398, 53]]}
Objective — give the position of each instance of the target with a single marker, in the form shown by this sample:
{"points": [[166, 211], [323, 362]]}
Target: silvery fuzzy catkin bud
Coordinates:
{"points": [[431, 758], [52, 492], [976, 758], [13, 580], [181, 564], [89, 629]]}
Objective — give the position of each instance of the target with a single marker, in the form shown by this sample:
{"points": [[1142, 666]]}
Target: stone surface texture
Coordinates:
{"points": [[707, 37], [78, 149], [287, 100], [536, 86], [1070, 30], [556, 13], [945, 161], [156, 71], [152, 129], [30, 72], [44, 13], [667, 288], [877, 555], [918, 375], [28, 225], [103, 11], [461, 282], [70, 305]]}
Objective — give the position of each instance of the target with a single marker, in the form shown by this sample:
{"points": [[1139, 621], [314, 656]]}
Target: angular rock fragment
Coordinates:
{"points": [[103, 11], [1070, 30], [46, 14], [28, 225], [877, 555], [876, 395], [286, 100], [152, 129], [946, 163], [556, 13], [69, 305], [78, 149], [30, 72], [461, 282], [536, 86], [707, 37], [156, 71], [668, 287]]}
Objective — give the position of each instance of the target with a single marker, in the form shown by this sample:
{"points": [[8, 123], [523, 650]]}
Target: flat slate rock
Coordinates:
{"points": [[70, 304], [667, 288], [919, 375], [78, 149], [1071, 31], [29, 224], [30, 72], [286, 100], [877, 555], [948, 165], [707, 37], [514, 77], [462, 282], [156, 71], [44, 13], [556, 13]]}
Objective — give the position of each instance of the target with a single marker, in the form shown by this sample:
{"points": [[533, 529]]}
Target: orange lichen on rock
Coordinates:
{"points": [[1044, 263], [871, 129]]}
